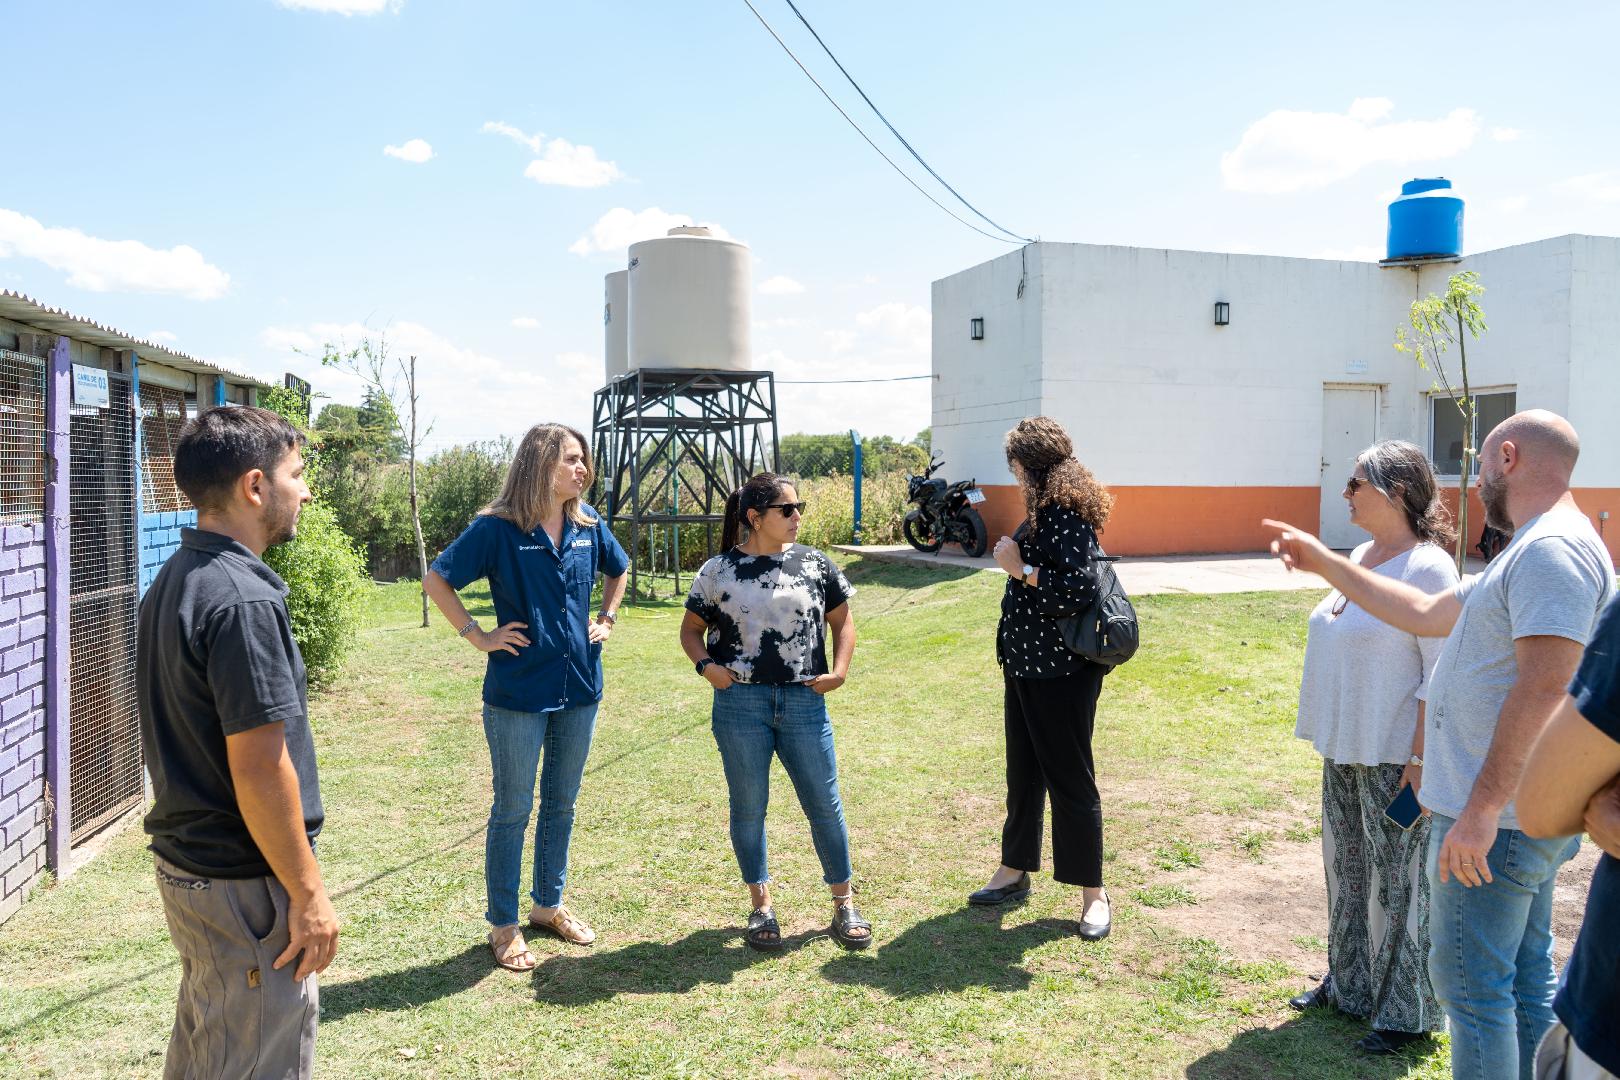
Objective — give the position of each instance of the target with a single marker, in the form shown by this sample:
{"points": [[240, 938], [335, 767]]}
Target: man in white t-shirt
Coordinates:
{"points": [[1514, 636]]}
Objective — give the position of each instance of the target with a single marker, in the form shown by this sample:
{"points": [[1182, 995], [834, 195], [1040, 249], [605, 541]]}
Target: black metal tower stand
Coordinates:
{"points": [[670, 445]]}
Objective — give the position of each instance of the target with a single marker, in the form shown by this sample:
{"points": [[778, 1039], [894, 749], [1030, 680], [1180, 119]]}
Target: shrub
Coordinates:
{"points": [[326, 583]]}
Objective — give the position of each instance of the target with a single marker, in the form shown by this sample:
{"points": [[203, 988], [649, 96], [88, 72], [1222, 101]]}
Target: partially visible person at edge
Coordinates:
{"points": [[1049, 692], [225, 731], [1359, 705], [1513, 637], [1572, 782], [756, 627], [540, 548]]}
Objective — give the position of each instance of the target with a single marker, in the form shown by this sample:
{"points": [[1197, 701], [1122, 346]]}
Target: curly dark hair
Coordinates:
{"points": [[1052, 476]]}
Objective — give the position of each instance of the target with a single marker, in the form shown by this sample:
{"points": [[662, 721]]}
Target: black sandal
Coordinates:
{"points": [[847, 918], [762, 922]]}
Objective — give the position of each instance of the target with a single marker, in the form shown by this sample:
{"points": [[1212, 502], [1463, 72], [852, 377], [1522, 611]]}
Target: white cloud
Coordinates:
{"points": [[1506, 134], [344, 7], [1356, 253], [163, 335], [286, 339], [905, 324], [559, 161], [515, 391], [1513, 204], [526, 322], [1287, 150], [500, 127], [112, 265], [572, 166], [416, 151], [1599, 187], [619, 228], [780, 285]]}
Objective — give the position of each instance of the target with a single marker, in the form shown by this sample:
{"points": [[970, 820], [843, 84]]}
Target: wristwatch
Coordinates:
{"points": [[1028, 570], [1415, 760], [611, 616], [703, 663]]}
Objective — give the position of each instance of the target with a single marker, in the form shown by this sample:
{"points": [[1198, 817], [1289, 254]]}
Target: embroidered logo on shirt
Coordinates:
{"points": [[528, 547], [583, 541]]}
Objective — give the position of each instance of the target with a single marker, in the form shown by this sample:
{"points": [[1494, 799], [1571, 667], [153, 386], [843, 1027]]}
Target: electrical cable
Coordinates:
{"points": [[843, 382], [868, 138], [909, 148]]}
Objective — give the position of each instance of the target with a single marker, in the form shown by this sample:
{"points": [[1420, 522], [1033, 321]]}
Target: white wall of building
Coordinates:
{"points": [[1120, 344]]}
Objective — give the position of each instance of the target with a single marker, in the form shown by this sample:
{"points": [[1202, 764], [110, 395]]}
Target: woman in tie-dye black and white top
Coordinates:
{"points": [[756, 627]]}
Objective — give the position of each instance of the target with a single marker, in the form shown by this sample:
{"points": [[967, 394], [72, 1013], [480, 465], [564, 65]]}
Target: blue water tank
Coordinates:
{"points": [[1427, 219]]}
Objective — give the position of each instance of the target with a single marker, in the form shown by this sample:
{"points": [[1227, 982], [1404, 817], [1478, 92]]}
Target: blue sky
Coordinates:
{"points": [[217, 172]]}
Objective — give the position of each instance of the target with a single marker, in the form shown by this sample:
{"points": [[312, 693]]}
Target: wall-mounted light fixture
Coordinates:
{"points": [[1223, 313], [976, 328]]}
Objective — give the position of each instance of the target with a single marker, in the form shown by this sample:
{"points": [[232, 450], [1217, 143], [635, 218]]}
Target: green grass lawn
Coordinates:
{"points": [[1194, 748]]}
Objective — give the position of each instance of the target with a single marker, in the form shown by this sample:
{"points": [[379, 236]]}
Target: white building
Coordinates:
{"points": [[1200, 430]]}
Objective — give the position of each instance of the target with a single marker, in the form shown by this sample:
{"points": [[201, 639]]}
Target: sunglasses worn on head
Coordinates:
{"points": [[788, 509]]}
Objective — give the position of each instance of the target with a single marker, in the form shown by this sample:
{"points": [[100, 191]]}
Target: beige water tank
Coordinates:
{"points": [[690, 302], [616, 323]]}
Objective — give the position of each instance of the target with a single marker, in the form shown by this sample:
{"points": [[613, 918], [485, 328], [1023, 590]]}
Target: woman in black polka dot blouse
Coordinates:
{"points": [[1050, 692]]}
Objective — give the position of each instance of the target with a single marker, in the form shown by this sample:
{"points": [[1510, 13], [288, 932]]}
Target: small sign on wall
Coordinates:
{"points": [[1356, 367], [90, 387]]}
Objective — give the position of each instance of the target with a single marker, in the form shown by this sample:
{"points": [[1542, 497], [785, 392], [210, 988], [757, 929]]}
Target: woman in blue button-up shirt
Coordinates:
{"points": [[540, 548]]}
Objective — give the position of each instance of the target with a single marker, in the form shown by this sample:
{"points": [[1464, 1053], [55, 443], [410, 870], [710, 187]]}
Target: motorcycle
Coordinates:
{"points": [[945, 514]]}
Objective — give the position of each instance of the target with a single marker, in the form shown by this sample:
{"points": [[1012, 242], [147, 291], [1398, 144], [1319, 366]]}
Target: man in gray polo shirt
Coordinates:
{"points": [[225, 730], [1514, 636]]}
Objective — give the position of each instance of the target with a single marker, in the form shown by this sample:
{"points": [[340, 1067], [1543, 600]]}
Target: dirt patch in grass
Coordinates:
{"points": [[1275, 906]]}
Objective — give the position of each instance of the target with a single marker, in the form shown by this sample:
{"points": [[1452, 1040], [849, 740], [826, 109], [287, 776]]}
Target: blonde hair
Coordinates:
{"points": [[526, 497]]}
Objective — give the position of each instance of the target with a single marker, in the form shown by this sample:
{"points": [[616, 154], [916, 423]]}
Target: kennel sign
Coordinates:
{"points": [[90, 387]]}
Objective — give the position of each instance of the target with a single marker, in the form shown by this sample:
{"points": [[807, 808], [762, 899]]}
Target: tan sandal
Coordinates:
{"points": [[565, 925], [511, 951]]}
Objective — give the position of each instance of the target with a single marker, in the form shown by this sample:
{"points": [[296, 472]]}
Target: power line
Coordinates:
{"points": [[868, 138], [828, 382], [893, 131]]}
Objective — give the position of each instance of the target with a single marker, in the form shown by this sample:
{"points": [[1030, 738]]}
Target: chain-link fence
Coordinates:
{"points": [[105, 762], [22, 435], [163, 414]]}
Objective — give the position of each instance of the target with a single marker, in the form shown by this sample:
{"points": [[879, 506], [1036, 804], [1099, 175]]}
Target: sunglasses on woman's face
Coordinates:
{"points": [[1353, 484], [788, 509]]}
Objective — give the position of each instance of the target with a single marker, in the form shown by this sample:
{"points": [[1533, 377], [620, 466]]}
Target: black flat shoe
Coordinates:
{"points": [[1389, 1042], [1006, 894], [1095, 931], [1318, 997]]}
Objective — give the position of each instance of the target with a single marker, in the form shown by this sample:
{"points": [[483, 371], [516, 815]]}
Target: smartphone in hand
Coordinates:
{"points": [[1404, 811]]}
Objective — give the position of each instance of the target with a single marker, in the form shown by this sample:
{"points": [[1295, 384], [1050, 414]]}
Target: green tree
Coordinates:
{"points": [[325, 574], [391, 382], [1438, 322], [456, 484]]}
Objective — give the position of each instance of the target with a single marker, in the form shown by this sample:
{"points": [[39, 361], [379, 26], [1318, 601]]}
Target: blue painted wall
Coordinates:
{"points": [[160, 538]]}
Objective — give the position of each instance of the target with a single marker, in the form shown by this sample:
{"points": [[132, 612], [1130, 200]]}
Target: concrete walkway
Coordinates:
{"points": [[1145, 576], [1141, 577]]}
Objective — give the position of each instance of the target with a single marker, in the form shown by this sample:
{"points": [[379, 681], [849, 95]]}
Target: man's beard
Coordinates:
{"points": [[281, 520], [1493, 494]]}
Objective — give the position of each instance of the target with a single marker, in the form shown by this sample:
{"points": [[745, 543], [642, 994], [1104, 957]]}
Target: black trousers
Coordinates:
{"points": [[1049, 724]]}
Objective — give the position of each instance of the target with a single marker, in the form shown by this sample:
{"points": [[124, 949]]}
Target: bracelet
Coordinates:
{"points": [[472, 624]]}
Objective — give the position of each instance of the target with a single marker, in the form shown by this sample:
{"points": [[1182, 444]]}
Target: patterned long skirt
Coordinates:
{"points": [[1378, 901]]}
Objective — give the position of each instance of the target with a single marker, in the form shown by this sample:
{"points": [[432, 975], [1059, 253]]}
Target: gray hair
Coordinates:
{"points": [[1402, 472]]}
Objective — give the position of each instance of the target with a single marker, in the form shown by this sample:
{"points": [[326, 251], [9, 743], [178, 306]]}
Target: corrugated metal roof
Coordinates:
{"points": [[25, 309]]}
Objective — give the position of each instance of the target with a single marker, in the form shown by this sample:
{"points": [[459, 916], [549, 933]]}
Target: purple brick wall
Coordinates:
{"points": [[22, 712]]}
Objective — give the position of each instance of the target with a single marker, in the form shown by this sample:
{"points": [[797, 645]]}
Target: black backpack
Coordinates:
{"points": [[1105, 633]]}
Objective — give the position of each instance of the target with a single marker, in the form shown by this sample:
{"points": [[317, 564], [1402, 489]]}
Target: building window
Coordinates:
{"points": [[1446, 426]]}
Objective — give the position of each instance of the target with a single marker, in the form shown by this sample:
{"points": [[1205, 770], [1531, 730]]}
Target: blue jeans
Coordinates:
{"points": [[1490, 953], [754, 721], [515, 741]]}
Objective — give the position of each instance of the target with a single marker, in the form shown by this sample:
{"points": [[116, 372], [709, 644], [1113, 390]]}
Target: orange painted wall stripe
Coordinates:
{"points": [[1216, 520]]}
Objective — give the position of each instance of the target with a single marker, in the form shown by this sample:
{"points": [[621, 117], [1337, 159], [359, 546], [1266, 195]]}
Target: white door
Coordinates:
{"points": [[1349, 426]]}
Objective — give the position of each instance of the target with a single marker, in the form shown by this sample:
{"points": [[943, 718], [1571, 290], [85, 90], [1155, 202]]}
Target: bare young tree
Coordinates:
{"points": [[370, 363], [1439, 321]]}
